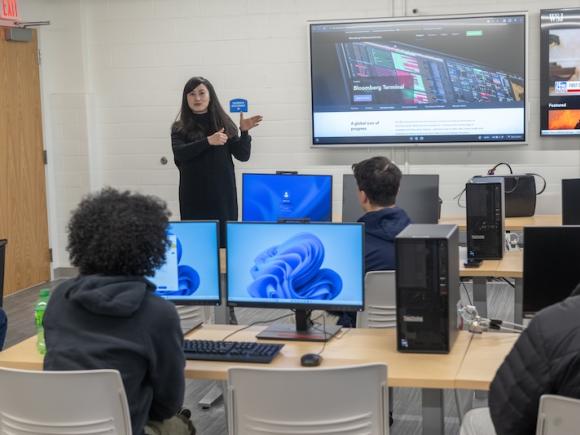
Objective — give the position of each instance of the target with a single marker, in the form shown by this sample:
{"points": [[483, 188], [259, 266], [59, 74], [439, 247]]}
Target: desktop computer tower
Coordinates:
{"points": [[571, 201], [484, 198], [427, 264]]}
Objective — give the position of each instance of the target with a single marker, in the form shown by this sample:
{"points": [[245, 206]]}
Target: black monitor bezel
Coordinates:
{"points": [[214, 302], [570, 186], [283, 174], [297, 306], [526, 251]]}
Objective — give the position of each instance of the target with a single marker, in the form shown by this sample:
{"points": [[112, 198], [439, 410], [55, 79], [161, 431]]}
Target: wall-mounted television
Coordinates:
{"points": [[560, 72], [418, 81]]}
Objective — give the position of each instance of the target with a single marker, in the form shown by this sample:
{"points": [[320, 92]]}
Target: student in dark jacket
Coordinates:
{"points": [[544, 360], [378, 181], [204, 139], [109, 318]]}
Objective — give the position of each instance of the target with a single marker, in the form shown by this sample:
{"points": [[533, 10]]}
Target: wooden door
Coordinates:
{"points": [[23, 214]]}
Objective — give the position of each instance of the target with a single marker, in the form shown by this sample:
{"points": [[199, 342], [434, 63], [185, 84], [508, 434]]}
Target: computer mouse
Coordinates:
{"points": [[310, 360]]}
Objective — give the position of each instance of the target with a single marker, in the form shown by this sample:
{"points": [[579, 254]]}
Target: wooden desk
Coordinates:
{"points": [[485, 354], [512, 224], [355, 346], [432, 373], [510, 266]]}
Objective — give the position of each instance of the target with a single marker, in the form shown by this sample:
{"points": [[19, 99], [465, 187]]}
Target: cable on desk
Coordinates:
{"points": [[255, 323]]}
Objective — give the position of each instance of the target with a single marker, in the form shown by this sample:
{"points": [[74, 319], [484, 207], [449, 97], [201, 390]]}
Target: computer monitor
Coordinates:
{"points": [[297, 266], [571, 201], [273, 197], [418, 196], [191, 273], [551, 259]]}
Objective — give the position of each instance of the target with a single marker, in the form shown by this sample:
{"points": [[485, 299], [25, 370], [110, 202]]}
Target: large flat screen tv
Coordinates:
{"points": [[430, 80], [560, 72]]}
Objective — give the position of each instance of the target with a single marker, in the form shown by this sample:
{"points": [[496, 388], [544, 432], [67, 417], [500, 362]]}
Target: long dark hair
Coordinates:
{"points": [[186, 123]]}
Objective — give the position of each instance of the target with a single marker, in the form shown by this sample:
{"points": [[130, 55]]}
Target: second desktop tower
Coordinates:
{"points": [[427, 258], [485, 218]]}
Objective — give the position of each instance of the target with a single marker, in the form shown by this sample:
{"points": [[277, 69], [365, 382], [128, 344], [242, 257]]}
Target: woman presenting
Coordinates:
{"points": [[204, 139]]}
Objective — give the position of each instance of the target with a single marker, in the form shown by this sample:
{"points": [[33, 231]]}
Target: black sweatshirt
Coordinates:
{"points": [[116, 322], [207, 182]]}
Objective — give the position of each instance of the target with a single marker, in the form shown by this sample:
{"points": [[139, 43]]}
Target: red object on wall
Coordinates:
{"points": [[9, 10]]}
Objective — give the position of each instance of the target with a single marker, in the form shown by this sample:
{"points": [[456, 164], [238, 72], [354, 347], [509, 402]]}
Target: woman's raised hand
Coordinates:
{"points": [[248, 123], [218, 138]]}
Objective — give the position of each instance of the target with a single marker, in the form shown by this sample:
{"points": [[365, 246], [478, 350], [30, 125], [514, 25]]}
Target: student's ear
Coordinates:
{"points": [[362, 198]]}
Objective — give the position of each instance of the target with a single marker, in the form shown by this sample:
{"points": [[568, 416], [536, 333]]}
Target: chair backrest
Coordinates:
{"points": [[68, 402], [380, 306], [558, 415], [342, 400]]}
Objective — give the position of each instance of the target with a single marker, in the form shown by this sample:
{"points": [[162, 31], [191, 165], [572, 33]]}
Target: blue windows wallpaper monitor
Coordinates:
{"points": [[191, 273], [297, 266], [421, 80], [273, 197]]}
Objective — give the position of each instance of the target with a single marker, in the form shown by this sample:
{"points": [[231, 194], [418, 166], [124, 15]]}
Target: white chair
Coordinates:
{"points": [[380, 306], [477, 421], [558, 415], [343, 400], [58, 403]]}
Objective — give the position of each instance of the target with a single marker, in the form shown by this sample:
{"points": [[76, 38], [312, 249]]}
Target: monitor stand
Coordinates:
{"points": [[304, 330]]}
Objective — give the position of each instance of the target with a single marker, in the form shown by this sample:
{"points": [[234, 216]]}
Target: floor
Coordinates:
{"points": [[407, 401]]}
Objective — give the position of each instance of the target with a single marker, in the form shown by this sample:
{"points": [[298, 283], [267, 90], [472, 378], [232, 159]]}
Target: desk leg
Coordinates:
{"points": [[480, 295], [221, 317], [519, 301], [432, 408]]}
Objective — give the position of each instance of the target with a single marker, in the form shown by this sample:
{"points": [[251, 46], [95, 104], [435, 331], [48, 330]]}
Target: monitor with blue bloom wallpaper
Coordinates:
{"points": [[296, 266], [190, 275], [274, 197]]}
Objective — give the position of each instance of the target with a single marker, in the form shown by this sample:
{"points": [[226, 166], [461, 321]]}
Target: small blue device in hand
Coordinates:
{"points": [[238, 105]]}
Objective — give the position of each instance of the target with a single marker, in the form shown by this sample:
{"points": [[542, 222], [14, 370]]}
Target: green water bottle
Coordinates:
{"points": [[39, 310]]}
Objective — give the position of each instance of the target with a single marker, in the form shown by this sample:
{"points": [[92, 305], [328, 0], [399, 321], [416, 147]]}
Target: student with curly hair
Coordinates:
{"points": [[109, 318], [204, 139]]}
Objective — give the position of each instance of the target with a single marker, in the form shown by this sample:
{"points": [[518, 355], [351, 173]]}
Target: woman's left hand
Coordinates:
{"points": [[249, 123]]}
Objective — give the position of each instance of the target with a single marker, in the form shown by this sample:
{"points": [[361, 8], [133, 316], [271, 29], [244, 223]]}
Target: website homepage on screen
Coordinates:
{"points": [[419, 81]]}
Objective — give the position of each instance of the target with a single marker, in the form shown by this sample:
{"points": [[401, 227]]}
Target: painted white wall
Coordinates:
{"points": [[113, 72]]}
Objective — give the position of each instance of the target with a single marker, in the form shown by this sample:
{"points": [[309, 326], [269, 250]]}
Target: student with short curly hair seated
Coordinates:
{"points": [[109, 318]]}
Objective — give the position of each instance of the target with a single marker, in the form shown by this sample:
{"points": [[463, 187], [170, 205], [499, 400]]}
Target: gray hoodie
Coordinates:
{"points": [[116, 322]]}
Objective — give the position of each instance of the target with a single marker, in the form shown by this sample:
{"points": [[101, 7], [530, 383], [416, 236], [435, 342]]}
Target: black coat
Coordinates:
{"points": [[207, 181], [116, 322], [545, 360]]}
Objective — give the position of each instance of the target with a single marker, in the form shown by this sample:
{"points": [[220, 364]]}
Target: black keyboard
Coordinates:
{"points": [[236, 351]]}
